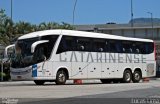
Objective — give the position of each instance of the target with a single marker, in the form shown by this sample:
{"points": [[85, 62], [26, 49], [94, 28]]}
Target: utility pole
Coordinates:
{"points": [[132, 13], [11, 10], [151, 24], [74, 8], [1, 67], [11, 21]]}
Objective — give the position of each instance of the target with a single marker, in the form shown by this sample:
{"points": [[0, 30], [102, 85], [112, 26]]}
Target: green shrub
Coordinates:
{"points": [[6, 76], [2, 74]]}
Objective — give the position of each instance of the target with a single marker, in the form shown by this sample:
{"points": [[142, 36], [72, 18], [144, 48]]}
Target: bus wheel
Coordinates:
{"points": [[61, 77], [127, 76], [106, 80], [39, 82], [137, 76]]}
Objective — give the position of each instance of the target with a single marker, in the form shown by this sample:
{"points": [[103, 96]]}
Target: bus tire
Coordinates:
{"points": [[106, 80], [39, 82], [137, 76], [127, 76], [61, 77]]}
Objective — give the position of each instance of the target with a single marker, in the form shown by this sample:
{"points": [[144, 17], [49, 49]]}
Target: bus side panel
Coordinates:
{"points": [[122, 67], [79, 70], [149, 66], [61, 65], [79, 65], [94, 60], [61, 61], [111, 70], [94, 70]]}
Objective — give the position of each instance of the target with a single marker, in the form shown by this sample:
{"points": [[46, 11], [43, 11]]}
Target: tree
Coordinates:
{"points": [[23, 27], [5, 28], [66, 26]]}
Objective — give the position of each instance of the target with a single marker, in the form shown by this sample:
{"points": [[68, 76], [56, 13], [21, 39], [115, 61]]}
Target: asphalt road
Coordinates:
{"points": [[88, 93]]}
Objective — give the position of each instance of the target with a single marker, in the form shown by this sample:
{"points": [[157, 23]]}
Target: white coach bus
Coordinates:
{"points": [[60, 55]]}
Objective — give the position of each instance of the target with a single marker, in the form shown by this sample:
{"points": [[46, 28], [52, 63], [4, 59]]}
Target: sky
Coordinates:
{"points": [[87, 11]]}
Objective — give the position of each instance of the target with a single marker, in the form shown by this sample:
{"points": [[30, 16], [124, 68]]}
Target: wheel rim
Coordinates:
{"points": [[137, 76], [61, 77], [128, 77]]}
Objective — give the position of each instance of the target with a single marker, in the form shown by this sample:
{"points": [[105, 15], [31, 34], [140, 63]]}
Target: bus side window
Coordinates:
{"points": [[66, 44], [106, 46], [40, 53], [127, 47], [135, 49], [99, 45], [149, 47], [62, 46], [112, 46], [141, 48], [119, 47], [83, 44], [70, 43], [49, 46]]}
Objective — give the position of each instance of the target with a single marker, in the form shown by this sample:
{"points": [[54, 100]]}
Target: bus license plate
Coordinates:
{"points": [[19, 77]]}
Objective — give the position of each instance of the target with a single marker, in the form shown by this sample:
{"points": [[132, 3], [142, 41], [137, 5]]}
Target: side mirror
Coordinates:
{"points": [[34, 45], [6, 50]]}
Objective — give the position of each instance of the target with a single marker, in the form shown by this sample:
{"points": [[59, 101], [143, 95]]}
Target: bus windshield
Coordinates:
{"points": [[23, 56]]}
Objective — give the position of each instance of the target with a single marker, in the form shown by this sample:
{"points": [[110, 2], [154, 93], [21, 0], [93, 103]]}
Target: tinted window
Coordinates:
{"points": [[67, 44], [135, 49], [48, 47], [149, 47], [119, 47], [99, 45], [112, 46], [141, 47], [83, 44], [127, 47]]}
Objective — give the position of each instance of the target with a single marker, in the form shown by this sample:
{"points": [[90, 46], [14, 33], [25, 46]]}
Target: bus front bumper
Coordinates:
{"points": [[21, 73]]}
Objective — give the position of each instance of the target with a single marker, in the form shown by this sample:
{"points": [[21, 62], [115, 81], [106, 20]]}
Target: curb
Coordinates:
{"points": [[154, 78], [15, 82]]}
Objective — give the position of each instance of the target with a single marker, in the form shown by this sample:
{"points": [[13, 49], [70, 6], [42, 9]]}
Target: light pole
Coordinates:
{"points": [[74, 8], [2, 67], [151, 23], [131, 13], [11, 9]]}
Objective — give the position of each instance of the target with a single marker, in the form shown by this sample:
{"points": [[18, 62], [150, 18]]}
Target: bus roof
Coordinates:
{"points": [[79, 33]]}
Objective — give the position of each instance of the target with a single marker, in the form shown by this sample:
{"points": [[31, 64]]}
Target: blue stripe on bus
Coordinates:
{"points": [[34, 70]]}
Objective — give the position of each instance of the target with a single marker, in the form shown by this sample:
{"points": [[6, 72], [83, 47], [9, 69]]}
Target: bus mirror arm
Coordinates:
{"points": [[6, 50], [35, 44], [45, 58]]}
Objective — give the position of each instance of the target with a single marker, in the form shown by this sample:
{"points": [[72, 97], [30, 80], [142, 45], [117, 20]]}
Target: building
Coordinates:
{"points": [[138, 30]]}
